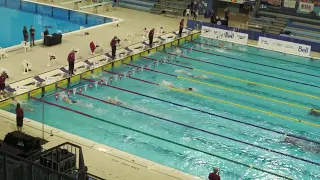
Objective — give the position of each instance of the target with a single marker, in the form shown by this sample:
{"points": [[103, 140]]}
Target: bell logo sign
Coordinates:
{"points": [[303, 50]]}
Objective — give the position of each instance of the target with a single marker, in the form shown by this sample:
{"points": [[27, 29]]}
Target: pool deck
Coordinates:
{"points": [[101, 160]]}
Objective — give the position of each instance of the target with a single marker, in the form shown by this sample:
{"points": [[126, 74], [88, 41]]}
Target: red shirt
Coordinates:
{"points": [[151, 33], [213, 176], [113, 42], [19, 112], [71, 57], [181, 24], [3, 78]]}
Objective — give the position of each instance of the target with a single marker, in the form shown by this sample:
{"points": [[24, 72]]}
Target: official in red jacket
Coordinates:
{"points": [[20, 116], [151, 34], [181, 26], [71, 60]]}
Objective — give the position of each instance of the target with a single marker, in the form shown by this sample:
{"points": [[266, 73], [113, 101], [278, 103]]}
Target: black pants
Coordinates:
{"points": [[113, 49], [150, 41], [32, 40], [180, 31], [19, 121], [71, 67]]}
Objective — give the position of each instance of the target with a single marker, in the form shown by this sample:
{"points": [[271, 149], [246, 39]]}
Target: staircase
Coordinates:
{"points": [[278, 25], [140, 5], [158, 7], [171, 7]]}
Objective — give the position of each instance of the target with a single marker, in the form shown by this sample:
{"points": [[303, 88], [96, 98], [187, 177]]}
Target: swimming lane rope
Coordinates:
{"points": [[163, 139], [198, 110], [266, 75], [235, 90], [198, 129], [237, 79], [230, 103], [242, 60]]}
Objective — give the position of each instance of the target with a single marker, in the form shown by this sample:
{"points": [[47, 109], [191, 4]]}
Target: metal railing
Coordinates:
{"points": [[66, 158], [13, 167]]}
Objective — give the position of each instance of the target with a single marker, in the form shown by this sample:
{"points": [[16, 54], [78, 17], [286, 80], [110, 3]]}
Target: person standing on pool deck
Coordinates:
{"points": [[20, 116], [3, 78], [181, 27], [25, 34], [32, 32], [71, 59], [214, 175], [151, 34], [113, 45]]}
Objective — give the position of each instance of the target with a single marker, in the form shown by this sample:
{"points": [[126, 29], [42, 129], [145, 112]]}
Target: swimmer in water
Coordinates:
{"points": [[115, 101], [191, 75], [178, 51], [69, 101], [314, 112], [222, 45], [23, 105], [170, 84], [190, 89], [306, 146], [180, 62]]}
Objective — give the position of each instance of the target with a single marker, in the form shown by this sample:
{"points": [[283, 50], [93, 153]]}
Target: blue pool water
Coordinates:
{"points": [[15, 16], [236, 117]]}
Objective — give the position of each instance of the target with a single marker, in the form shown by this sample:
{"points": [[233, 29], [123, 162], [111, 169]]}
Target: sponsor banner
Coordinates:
{"points": [[305, 7], [224, 35], [284, 46], [274, 2], [289, 3]]}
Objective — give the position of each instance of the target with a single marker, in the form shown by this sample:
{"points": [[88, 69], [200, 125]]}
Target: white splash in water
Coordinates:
{"points": [[167, 83]]}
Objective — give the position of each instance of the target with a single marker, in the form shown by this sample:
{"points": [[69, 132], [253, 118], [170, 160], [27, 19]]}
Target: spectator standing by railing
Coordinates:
{"points": [[214, 175], [116, 3], [195, 14], [25, 34], [181, 26], [32, 32]]}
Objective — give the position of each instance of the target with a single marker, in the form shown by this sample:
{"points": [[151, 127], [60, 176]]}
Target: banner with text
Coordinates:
{"points": [[305, 7], [289, 3], [224, 35], [284, 46]]}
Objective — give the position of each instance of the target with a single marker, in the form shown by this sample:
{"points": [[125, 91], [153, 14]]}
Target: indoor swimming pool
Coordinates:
{"points": [[245, 110], [16, 14]]}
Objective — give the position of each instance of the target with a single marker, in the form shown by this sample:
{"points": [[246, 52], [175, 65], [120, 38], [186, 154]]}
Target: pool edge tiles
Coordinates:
{"points": [[107, 20], [92, 151]]}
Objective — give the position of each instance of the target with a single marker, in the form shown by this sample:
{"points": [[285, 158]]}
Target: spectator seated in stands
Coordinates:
{"points": [[95, 47]]}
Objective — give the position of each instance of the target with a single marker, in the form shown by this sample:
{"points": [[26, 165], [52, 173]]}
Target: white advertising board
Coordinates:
{"points": [[284, 46], [306, 7], [224, 35], [289, 3]]}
